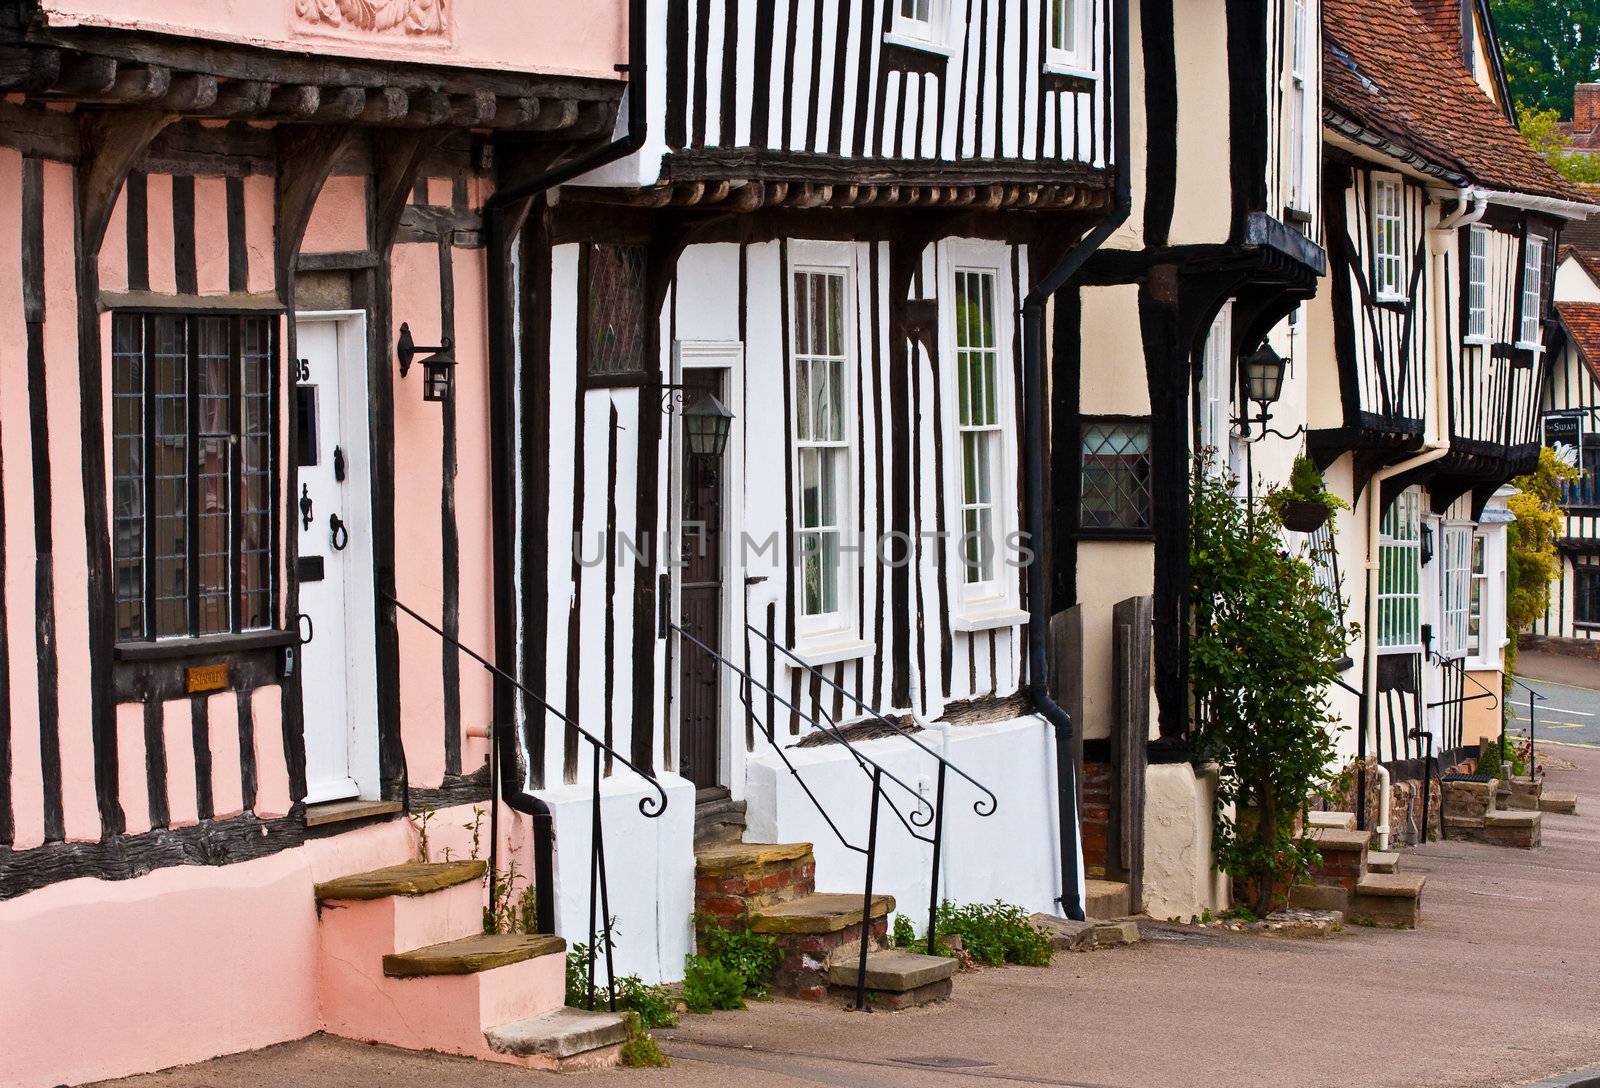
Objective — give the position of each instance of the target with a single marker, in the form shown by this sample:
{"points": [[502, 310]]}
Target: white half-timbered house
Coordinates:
{"points": [[1430, 347], [831, 229]]}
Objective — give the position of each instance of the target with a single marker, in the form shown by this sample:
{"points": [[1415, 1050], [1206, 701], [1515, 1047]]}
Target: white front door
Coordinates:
{"points": [[333, 512]]}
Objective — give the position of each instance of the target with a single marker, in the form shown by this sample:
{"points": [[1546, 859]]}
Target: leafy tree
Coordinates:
{"points": [[1533, 562], [1550, 46], [1264, 650], [1539, 127]]}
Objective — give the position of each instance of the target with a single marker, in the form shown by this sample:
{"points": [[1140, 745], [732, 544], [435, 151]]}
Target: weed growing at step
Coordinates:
{"points": [[753, 955], [710, 985], [902, 935], [514, 911], [653, 1005], [993, 933], [640, 1051], [420, 818]]}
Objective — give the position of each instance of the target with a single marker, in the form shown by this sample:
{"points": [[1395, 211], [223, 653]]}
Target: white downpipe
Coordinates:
{"points": [[1384, 800]]}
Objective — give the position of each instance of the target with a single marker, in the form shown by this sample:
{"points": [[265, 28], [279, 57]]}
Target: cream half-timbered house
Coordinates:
{"points": [[1429, 348]]}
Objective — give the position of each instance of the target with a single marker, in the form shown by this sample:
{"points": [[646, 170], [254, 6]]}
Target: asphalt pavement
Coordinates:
{"points": [[1563, 712]]}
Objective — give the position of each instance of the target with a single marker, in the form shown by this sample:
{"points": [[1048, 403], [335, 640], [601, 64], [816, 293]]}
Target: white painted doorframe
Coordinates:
{"points": [[346, 627]]}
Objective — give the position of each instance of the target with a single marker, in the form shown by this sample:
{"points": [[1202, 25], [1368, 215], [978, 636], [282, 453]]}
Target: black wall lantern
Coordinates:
{"points": [[706, 424], [1263, 376], [438, 369]]}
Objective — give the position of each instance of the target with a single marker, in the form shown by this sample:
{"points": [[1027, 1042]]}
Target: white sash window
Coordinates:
{"points": [[1400, 575], [1389, 260], [1478, 284], [1532, 335], [822, 449], [1457, 587]]}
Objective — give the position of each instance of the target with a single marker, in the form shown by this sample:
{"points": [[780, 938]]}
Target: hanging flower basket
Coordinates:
{"points": [[1302, 516]]}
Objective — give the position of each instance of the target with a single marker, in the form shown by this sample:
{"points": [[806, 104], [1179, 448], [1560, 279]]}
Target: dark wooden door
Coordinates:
{"points": [[700, 714]]}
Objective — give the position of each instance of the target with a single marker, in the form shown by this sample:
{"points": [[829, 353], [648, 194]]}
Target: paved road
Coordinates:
{"points": [[1500, 986], [1565, 714]]}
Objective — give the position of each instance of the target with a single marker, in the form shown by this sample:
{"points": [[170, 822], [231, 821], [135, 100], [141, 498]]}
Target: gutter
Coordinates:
{"points": [[1034, 392], [499, 235], [1528, 202]]}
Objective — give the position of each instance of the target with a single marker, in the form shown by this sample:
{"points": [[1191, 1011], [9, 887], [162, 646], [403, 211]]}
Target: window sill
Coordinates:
{"points": [[988, 620], [1061, 75], [1483, 341], [919, 45], [1398, 303], [204, 646], [824, 651]]}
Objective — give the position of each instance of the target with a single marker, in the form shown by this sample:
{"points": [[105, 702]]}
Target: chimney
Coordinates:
{"points": [[1586, 108]]}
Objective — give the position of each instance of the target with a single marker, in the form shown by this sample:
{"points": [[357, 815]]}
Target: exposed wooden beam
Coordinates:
{"points": [[306, 153], [295, 100], [428, 109], [398, 155], [111, 144], [25, 69], [191, 94], [340, 104], [386, 106], [241, 98], [473, 110], [514, 113], [81, 74], [555, 115]]}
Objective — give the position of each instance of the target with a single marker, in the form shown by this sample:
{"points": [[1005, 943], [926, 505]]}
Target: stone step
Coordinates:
{"points": [[1340, 840], [1342, 821], [818, 913], [567, 1038], [1107, 899], [1344, 860], [1390, 900], [719, 822], [731, 857], [1520, 829], [413, 878], [1563, 804], [896, 979], [1319, 897], [1383, 861], [470, 955]]}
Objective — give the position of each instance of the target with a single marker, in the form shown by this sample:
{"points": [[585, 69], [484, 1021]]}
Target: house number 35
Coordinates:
{"points": [[302, 373]]}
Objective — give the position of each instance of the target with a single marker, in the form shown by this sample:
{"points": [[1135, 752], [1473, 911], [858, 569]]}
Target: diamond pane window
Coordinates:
{"points": [[192, 489], [1116, 476], [613, 340], [1400, 575]]}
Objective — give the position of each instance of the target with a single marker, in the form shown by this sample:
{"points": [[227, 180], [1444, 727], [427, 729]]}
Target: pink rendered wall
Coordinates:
{"points": [[419, 438], [557, 36], [474, 508], [339, 219]]}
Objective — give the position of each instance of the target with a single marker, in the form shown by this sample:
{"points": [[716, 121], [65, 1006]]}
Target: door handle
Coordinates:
{"points": [[305, 507], [340, 535], [338, 464]]}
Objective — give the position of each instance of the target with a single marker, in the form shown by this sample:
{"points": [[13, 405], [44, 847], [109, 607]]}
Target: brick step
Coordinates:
{"points": [[1389, 900], [1562, 804], [1383, 861], [571, 1038], [470, 955], [1107, 899], [733, 879], [1340, 821], [896, 979], [1344, 859], [812, 930]]}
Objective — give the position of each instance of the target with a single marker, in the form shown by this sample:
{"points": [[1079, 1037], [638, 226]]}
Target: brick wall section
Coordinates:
{"points": [[803, 971], [1096, 815], [729, 896]]}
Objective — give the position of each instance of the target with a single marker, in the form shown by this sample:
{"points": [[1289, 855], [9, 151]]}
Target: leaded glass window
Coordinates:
{"points": [[192, 488], [1116, 476], [613, 336]]}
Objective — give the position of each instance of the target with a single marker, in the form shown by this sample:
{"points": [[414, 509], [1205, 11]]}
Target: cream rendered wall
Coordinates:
{"points": [[1203, 209], [1574, 284], [1130, 236], [1114, 381], [1180, 870]]}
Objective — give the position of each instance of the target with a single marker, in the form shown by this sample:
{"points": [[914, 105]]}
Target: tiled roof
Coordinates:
{"points": [[1582, 322], [1388, 70], [1584, 235], [1443, 15]]}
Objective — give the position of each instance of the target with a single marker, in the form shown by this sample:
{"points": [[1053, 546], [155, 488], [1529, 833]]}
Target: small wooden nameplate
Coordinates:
{"points": [[207, 678]]}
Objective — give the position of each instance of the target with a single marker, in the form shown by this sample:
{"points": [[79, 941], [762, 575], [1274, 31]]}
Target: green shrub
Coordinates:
{"points": [[753, 955], [653, 1005], [1490, 762], [903, 936], [994, 933], [640, 1050], [710, 985]]}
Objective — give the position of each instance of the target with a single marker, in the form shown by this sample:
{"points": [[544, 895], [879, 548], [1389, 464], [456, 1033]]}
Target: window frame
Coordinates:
{"points": [[812, 630], [1533, 250], [1391, 588], [1218, 391], [1299, 103], [1477, 282], [1584, 571], [1101, 532], [237, 472], [1456, 544], [1080, 58], [930, 35], [994, 602], [588, 378], [1382, 290]]}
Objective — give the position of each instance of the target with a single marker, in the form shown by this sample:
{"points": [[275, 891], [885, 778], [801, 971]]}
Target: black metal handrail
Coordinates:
{"points": [[650, 807], [1534, 698], [923, 816]]}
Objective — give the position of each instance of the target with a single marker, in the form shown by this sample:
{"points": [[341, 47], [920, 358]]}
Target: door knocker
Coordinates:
{"points": [[305, 507], [340, 534]]}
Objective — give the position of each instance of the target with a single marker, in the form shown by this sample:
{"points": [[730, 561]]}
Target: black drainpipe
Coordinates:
{"points": [[1034, 392], [498, 240]]}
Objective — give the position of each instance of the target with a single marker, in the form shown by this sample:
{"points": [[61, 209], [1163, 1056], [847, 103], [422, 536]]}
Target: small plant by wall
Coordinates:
{"points": [[1263, 652]]}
